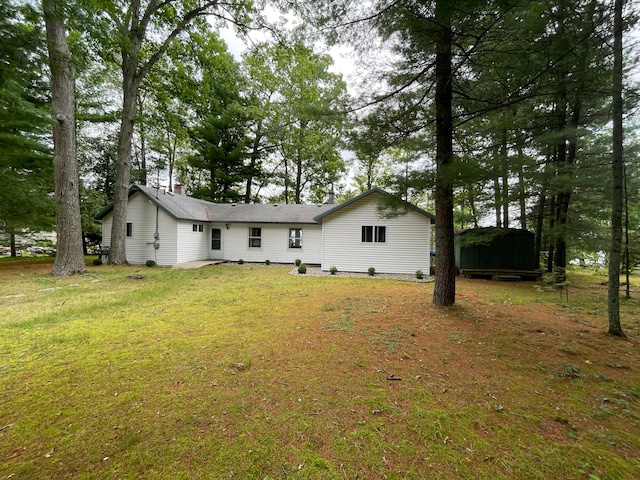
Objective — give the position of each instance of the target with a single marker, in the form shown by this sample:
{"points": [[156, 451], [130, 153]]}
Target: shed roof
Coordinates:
{"points": [[183, 207], [396, 205]]}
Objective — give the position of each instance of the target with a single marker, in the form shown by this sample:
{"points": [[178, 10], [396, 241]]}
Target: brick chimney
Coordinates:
{"points": [[179, 190]]}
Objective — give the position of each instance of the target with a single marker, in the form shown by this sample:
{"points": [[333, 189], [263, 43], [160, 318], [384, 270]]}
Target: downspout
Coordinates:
{"points": [[156, 237]]}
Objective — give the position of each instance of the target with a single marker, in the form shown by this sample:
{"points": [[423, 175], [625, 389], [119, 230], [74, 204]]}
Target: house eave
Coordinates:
{"points": [[407, 205]]}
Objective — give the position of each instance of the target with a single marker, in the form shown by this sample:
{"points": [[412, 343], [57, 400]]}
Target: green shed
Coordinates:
{"points": [[496, 251]]}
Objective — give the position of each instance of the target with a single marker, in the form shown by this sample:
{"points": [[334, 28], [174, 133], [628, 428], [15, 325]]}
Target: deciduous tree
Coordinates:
{"points": [[137, 34], [69, 254]]}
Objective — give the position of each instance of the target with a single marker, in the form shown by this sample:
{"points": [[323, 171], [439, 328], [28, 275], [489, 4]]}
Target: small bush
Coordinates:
{"points": [[302, 269], [419, 274], [97, 262], [240, 261], [371, 271], [267, 262], [150, 263], [333, 270], [298, 262]]}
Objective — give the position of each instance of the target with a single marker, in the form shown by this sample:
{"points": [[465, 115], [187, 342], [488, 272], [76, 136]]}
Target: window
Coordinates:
{"points": [[376, 234], [367, 233], [255, 237], [195, 227], [201, 228], [216, 239], [295, 238], [129, 229]]}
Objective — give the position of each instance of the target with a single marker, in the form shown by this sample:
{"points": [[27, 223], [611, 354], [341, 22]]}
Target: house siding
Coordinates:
{"points": [[406, 249], [106, 231], [192, 245], [274, 243], [167, 254], [141, 214]]}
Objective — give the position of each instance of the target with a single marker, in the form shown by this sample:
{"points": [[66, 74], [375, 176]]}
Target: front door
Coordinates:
{"points": [[216, 243]]}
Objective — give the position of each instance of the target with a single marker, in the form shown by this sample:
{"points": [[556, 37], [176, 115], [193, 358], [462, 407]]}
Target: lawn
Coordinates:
{"points": [[250, 372]]}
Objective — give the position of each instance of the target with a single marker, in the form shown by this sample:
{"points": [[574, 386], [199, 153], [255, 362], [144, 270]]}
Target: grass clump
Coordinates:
{"points": [[419, 274], [333, 270]]}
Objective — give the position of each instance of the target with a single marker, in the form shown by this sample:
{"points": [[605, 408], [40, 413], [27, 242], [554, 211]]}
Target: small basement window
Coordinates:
{"points": [[255, 237]]}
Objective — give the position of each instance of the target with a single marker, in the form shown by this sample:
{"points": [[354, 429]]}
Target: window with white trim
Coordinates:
{"points": [[295, 238], [255, 237], [374, 234]]}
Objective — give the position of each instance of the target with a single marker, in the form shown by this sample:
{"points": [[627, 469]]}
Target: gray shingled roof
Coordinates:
{"points": [[183, 207]]}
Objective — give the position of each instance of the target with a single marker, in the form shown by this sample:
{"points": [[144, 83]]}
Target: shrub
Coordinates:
{"points": [[298, 262], [371, 271], [240, 261], [419, 274], [150, 263], [302, 269], [97, 261], [333, 270], [267, 262]]}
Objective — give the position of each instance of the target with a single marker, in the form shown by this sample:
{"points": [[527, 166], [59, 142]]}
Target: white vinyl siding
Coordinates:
{"points": [[167, 254], [192, 245], [274, 243], [405, 248], [142, 215], [106, 230]]}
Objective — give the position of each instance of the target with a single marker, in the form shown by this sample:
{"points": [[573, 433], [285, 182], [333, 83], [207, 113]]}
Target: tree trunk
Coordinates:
{"points": [[552, 240], [627, 260], [173, 152], [444, 292], [539, 226], [522, 189], [69, 254], [504, 167], [615, 327], [12, 245], [117, 250], [254, 156], [497, 193], [142, 161]]}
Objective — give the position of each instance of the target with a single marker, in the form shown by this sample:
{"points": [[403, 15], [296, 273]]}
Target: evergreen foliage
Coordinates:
{"points": [[25, 158]]}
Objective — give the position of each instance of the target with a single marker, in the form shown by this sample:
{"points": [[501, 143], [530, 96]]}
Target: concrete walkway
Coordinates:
{"points": [[198, 263]]}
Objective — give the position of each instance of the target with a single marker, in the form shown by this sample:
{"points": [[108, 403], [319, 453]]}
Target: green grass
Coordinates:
{"points": [[248, 372]]}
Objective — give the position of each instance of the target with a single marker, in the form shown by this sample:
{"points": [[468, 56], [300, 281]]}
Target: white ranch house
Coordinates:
{"points": [[353, 236]]}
